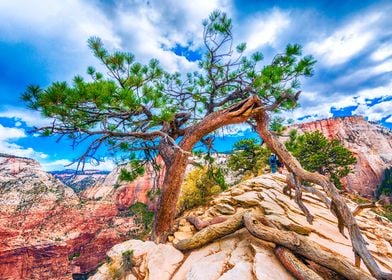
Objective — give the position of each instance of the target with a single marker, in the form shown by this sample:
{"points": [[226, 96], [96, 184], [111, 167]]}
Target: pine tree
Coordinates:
{"points": [[316, 153], [141, 111]]}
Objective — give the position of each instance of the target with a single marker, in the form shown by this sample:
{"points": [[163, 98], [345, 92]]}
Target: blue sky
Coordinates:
{"points": [[45, 40]]}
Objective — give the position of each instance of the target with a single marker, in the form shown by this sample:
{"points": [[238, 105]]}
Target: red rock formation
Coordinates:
{"points": [[125, 194], [370, 143], [46, 232]]}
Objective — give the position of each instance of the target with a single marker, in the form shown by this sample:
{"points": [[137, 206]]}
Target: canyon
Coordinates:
{"points": [[50, 231]]}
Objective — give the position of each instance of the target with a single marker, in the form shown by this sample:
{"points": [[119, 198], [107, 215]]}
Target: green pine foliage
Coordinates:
{"points": [[318, 154], [248, 158], [386, 185], [142, 215], [132, 108]]}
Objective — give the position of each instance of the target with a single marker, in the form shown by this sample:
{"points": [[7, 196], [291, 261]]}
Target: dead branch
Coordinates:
{"points": [[200, 224], [360, 207], [211, 233], [294, 265], [305, 247]]}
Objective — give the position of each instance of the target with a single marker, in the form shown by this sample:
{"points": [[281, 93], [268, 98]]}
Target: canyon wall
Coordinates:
{"points": [[370, 143], [47, 231]]}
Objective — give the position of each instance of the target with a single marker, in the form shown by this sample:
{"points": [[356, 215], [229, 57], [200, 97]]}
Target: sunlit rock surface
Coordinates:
{"points": [[240, 255]]}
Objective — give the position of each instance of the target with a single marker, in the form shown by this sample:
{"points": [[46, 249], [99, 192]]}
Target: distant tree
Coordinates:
{"points": [[248, 157], [277, 126], [316, 153], [386, 185]]}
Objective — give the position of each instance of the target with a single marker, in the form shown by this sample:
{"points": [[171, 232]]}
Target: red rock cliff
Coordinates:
{"points": [[370, 143], [46, 231]]}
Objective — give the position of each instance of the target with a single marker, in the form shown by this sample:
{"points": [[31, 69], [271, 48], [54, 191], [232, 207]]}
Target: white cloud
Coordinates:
{"points": [[60, 164], [31, 118], [389, 120], [7, 133], [10, 134], [151, 30], [347, 41], [73, 21], [376, 112], [264, 28], [365, 73], [233, 130], [373, 93], [382, 52]]}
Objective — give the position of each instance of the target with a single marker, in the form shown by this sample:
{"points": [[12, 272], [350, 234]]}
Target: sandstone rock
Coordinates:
{"points": [[209, 267], [241, 271], [249, 199], [263, 262], [162, 261], [237, 191], [179, 235], [46, 231], [242, 256], [225, 209]]}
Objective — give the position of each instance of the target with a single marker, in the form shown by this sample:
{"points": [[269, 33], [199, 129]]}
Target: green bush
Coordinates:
{"points": [[386, 185], [248, 158], [318, 154], [142, 215], [199, 185]]}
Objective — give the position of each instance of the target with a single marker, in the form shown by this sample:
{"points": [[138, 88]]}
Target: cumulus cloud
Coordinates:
{"points": [[10, 134], [375, 112], [263, 28], [384, 51], [29, 117], [347, 41]]}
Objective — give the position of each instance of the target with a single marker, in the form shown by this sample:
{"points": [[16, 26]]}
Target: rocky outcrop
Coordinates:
{"points": [[240, 255], [370, 143], [46, 231], [80, 180], [124, 194]]}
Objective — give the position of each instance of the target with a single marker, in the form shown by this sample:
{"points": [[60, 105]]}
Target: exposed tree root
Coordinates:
{"points": [[200, 224], [212, 233], [294, 265], [338, 204], [326, 273], [305, 247]]}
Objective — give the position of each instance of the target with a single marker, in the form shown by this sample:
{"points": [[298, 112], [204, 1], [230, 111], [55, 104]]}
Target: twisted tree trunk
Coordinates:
{"points": [[338, 205], [177, 160]]}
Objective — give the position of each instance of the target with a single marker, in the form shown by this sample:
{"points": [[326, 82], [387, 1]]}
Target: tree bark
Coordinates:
{"points": [[338, 204], [212, 233], [305, 247], [294, 265], [175, 171]]}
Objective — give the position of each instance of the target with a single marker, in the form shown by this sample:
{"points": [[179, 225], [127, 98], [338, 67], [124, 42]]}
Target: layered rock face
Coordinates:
{"points": [[46, 231], [124, 194], [370, 143], [241, 256], [78, 180]]}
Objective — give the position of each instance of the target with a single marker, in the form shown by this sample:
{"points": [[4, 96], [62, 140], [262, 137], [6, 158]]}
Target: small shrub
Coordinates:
{"points": [[119, 270], [145, 216], [199, 185]]}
